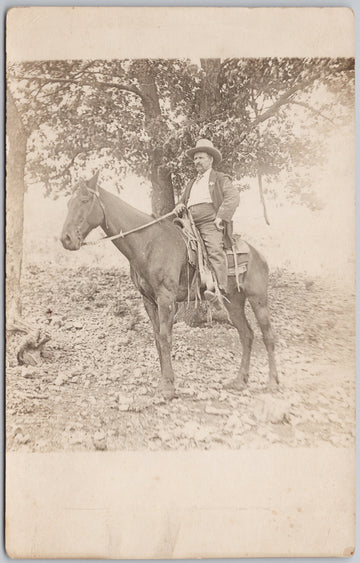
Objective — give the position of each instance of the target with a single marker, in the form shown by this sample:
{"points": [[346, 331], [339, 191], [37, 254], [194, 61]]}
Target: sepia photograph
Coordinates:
{"points": [[180, 285]]}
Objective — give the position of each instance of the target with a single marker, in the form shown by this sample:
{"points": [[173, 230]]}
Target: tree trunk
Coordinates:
{"points": [[162, 197], [16, 141], [209, 94]]}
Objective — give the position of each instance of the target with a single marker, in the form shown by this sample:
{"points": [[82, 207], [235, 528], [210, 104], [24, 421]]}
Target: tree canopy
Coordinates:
{"points": [[142, 115]]}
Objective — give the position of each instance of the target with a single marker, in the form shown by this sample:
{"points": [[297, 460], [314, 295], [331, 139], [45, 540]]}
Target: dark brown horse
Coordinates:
{"points": [[158, 261]]}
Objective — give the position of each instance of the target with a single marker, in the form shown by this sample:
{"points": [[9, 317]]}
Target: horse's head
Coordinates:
{"points": [[85, 214]]}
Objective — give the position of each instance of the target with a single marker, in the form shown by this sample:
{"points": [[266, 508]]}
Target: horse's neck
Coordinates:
{"points": [[122, 217]]}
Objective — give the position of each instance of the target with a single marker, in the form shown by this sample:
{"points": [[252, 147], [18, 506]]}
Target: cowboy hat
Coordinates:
{"points": [[204, 145]]}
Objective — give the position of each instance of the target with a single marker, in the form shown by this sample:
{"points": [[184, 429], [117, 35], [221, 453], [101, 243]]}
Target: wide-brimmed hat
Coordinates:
{"points": [[204, 145]]}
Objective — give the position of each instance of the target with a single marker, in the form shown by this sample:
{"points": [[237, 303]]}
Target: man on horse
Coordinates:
{"points": [[212, 200]]}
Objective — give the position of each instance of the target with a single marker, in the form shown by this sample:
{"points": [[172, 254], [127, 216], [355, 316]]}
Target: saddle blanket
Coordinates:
{"points": [[240, 251]]}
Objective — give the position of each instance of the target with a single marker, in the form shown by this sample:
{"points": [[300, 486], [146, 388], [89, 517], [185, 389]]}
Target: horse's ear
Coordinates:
{"points": [[93, 182]]}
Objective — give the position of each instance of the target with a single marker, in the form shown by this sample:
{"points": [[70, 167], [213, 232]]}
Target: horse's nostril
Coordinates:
{"points": [[65, 239]]}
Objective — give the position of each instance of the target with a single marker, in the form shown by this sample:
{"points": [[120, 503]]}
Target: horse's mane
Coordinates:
{"points": [[117, 201]]}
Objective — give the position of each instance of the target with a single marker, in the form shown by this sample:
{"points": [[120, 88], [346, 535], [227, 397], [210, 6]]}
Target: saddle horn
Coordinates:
{"points": [[93, 182]]}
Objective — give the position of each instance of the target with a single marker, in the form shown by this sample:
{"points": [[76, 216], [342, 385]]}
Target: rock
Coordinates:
{"points": [[213, 410], [77, 438], [20, 439], [124, 402], [142, 390], [99, 440], [41, 444], [309, 284], [208, 394], [27, 373], [56, 322], [31, 358], [190, 390], [271, 409], [131, 324], [189, 429], [18, 430], [247, 420], [164, 435], [78, 325], [201, 434], [299, 435], [233, 421], [120, 309], [60, 380]]}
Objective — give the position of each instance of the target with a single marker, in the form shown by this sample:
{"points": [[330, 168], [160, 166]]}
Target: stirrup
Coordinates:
{"points": [[214, 299]]}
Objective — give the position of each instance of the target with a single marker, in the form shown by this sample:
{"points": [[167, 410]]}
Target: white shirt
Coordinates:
{"points": [[199, 192]]}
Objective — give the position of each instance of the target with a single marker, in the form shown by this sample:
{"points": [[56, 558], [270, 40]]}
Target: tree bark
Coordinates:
{"points": [[162, 197], [16, 141], [209, 94]]}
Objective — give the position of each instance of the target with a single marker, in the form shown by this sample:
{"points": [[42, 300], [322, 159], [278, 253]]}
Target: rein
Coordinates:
{"points": [[121, 234]]}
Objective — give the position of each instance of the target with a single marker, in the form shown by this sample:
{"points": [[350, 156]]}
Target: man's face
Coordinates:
{"points": [[202, 161]]}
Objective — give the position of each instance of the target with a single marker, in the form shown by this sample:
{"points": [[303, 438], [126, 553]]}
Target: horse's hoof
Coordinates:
{"points": [[235, 385], [165, 391]]}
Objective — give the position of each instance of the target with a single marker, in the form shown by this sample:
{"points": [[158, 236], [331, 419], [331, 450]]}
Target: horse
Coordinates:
{"points": [[160, 271]]}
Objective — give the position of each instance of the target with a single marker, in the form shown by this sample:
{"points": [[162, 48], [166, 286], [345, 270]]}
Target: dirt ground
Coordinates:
{"points": [[94, 389]]}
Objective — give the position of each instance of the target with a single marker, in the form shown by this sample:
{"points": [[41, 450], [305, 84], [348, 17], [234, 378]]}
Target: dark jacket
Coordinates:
{"points": [[225, 198]]}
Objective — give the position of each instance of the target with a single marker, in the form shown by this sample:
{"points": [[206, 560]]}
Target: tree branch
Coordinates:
{"points": [[285, 98], [261, 192], [124, 87], [313, 110]]}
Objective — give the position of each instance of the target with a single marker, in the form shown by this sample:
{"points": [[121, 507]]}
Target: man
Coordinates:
{"points": [[212, 200]]}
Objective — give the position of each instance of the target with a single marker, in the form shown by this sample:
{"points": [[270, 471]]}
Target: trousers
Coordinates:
{"points": [[204, 215]]}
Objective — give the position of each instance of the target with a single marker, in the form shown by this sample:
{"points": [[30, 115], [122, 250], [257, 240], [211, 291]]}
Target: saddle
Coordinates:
{"points": [[237, 256]]}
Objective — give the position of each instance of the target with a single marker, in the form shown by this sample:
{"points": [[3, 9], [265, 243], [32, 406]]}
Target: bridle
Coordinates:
{"points": [[97, 196]]}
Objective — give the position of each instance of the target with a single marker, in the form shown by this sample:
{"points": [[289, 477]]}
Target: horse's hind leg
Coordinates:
{"points": [[236, 309], [261, 310], [152, 312]]}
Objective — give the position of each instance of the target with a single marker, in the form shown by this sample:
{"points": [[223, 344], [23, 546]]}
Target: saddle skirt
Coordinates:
{"points": [[237, 256]]}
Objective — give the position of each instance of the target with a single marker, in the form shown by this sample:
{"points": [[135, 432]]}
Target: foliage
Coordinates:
{"points": [[266, 115]]}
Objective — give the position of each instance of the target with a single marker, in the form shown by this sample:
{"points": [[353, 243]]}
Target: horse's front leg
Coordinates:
{"points": [[161, 315], [166, 311]]}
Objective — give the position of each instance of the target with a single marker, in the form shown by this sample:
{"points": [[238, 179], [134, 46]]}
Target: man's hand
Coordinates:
{"points": [[179, 209], [219, 224]]}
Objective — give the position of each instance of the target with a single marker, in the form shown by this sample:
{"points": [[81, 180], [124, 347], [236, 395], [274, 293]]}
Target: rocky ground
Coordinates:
{"points": [[94, 388]]}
